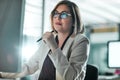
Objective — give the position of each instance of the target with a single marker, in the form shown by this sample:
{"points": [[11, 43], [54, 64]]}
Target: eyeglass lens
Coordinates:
{"points": [[61, 15]]}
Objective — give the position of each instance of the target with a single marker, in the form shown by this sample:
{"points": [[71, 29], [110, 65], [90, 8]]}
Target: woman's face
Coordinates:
{"points": [[62, 19]]}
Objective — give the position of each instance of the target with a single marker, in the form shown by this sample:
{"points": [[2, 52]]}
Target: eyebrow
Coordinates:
{"points": [[62, 11]]}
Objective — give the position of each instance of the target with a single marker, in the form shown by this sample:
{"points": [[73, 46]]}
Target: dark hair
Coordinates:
{"points": [[74, 10]]}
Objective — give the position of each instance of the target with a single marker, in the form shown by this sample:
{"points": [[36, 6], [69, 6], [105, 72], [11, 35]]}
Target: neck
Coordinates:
{"points": [[61, 38]]}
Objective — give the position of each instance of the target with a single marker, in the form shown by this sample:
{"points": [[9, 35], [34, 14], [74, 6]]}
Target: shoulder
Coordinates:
{"points": [[81, 37]]}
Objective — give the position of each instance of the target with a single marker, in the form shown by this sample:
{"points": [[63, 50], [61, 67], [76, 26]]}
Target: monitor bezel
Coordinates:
{"points": [[108, 64]]}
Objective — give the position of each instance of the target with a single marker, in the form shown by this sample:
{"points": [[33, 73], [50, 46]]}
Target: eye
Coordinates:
{"points": [[55, 14], [64, 15]]}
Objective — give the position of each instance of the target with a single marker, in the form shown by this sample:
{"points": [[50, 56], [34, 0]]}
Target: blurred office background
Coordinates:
{"points": [[101, 19]]}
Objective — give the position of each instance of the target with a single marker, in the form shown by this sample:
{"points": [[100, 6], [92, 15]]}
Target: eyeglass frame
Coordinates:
{"points": [[59, 14]]}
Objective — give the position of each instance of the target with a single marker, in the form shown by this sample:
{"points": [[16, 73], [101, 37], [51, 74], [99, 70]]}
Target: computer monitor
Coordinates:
{"points": [[114, 54], [10, 35]]}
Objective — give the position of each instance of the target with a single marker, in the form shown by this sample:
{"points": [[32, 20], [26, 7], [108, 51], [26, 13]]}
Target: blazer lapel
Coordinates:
{"points": [[43, 51], [67, 46]]}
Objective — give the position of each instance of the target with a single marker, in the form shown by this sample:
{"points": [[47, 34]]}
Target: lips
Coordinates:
{"points": [[58, 23]]}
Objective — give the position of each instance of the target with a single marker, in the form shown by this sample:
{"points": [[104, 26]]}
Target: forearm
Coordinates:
{"points": [[26, 70], [74, 66], [9, 75], [68, 70]]}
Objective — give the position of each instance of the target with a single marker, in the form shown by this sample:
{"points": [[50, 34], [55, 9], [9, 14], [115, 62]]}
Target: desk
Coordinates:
{"points": [[114, 77], [10, 79]]}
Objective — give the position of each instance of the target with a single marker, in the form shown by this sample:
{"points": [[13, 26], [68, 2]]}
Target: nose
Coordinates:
{"points": [[58, 17]]}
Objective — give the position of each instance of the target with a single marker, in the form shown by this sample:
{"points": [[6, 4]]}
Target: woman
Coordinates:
{"points": [[65, 46]]}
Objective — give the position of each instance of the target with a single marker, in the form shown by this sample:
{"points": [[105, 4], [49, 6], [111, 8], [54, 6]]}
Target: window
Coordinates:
{"points": [[32, 29]]}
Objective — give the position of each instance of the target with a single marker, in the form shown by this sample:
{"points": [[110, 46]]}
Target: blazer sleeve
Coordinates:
{"points": [[34, 63], [73, 68]]}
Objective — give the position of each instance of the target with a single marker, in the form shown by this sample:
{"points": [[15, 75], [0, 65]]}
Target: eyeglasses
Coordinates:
{"points": [[62, 15]]}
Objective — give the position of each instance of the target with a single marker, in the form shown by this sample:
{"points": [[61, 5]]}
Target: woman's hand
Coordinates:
{"points": [[49, 39]]}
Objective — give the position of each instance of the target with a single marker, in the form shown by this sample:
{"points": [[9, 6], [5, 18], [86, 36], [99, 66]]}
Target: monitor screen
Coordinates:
{"points": [[114, 54], [10, 35]]}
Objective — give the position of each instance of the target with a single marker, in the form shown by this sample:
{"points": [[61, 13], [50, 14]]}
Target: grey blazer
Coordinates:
{"points": [[70, 62]]}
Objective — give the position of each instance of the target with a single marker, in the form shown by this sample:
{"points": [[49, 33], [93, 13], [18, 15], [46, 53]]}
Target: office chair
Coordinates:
{"points": [[91, 72]]}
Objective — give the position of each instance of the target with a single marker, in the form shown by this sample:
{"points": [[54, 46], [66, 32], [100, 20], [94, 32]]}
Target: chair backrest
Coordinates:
{"points": [[91, 72]]}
